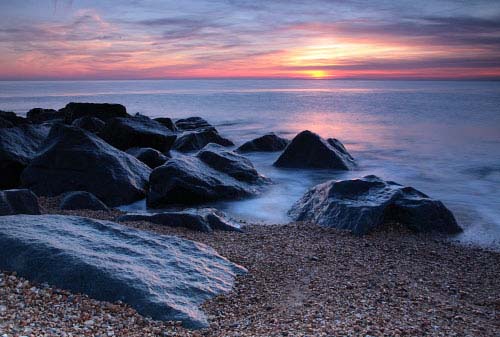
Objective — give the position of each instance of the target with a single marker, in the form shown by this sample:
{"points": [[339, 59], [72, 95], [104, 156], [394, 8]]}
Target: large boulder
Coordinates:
{"points": [[81, 200], [125, 133], [18, 146], [309, 150], [72, 159], [203, 220], [9, 119], [196, 140], [267, 143], [192, 123], [151, 157], [20, 201], [164, 277], [92, 124], [166, 122], [362, 205], [188, 180], [39, 115], [103, 111], [230, 163]]}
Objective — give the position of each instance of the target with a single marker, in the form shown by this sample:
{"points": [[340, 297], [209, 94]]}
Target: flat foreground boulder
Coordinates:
{"points": [[309, 150], [20, 201], [196, 140], [203, 220], [103, 111], [164, 277], [266, 143], [362, 205], [18, 146], [72, 159], [151, 157], [188, 180], [125, 133], [81, 200]]}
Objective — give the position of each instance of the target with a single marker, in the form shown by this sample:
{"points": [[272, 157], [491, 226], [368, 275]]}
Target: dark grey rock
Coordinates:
{"points": [[308, 150], [125, 133], [81, 200], [103, 111], [4, 123], [203, 220], [192, 123], [151, 157], [164, 277], [39, 115], [187, 180], [12, 118], [20, 201], [18, 146], [72, 159], [92, 124], [196, 140], [230, 163], [166, 122], [362, 205], [266, 143]]}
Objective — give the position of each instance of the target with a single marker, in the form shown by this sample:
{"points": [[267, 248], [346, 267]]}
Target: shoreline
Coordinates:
{"points": [[303, 280]]}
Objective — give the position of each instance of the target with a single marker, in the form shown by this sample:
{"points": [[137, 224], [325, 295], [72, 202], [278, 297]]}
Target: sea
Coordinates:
{"points": [[441, 137]]}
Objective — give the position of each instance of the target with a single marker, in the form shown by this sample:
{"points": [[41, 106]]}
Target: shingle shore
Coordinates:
{"points": [[303, 280]]}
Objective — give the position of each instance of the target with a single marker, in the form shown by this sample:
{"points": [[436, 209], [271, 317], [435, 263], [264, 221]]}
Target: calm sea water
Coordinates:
{"points": [[440, 137]]}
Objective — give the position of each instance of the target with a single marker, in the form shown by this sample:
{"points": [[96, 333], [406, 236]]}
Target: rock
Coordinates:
{"points": [[192, 123], [164, 277], [266, 143], [232, 164], [203, 220], [92, 124], [20, 201], [362, 205], [82, 200], [196, 140], [103, 111], [18, 146], [148, 156], [72, 159], [187, 180], [125, 133], [4, 123], [308, 150], [166, 122], [39, 115], [12, 118]]}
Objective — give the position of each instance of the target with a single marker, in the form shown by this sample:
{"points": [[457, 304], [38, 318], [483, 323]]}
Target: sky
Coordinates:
{"points": [[321, 39]]}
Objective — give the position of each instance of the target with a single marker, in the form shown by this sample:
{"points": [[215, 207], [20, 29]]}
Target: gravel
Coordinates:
{"points": [[303, 280]]}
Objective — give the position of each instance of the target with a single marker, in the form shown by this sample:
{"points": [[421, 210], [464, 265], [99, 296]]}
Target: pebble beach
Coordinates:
{"points": [[302, 280]]}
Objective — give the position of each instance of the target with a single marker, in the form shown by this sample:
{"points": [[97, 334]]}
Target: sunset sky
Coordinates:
{"points": [[129, 39]]}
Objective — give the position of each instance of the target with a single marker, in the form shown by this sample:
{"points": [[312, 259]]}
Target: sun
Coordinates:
{"points": [[318, 74]]}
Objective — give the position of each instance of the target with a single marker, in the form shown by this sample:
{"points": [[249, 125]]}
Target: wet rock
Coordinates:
{"points": [[18, 146], [19, 201], [125, 133], [9, 117], [267, 143], [231, 163], [196, 140], [72, 159], [188, 180], [39, 115], [166, 122], [192, 123], [309, 150], [4, 123], [81, 200], [92, 124], [103, 111], [164, 277], [151, 157], [362, 205], [203, 220]]}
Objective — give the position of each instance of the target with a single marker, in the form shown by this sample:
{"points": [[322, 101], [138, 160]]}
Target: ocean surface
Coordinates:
{"points": [[441, 137]]}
